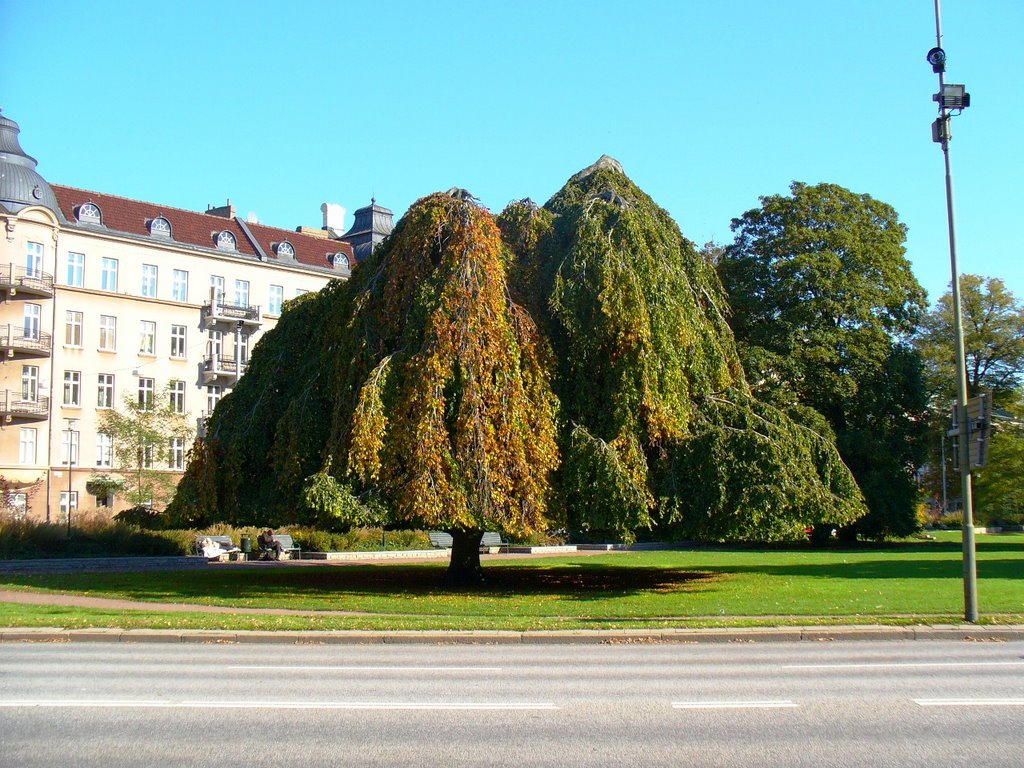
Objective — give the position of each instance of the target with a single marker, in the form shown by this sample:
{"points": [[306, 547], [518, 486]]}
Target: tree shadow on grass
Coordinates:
{"points": [[895, 568]]}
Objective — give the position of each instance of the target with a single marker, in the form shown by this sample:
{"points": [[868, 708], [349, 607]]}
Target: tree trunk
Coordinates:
{"points": [[464, 569]]}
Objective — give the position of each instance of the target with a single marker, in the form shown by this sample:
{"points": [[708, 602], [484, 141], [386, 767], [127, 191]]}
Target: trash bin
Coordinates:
{"points": [[246, 546]]}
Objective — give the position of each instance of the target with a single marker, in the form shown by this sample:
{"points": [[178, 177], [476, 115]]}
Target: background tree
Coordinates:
{"points": [[142, 433], [823, 302], [999, 486], [993, 327]]}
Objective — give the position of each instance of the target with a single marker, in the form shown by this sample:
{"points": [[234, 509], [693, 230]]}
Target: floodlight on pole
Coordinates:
{"points": [[954, 97]]}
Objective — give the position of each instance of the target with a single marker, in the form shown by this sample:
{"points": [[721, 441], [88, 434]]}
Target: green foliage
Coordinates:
{"points": [[554, 367], [142, 434], [999, 486], [823, 299], [993, 329]]}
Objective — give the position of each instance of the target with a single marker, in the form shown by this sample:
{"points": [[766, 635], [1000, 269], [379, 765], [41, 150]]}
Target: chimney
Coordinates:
{"points": [[224, 211], [334, 216]]}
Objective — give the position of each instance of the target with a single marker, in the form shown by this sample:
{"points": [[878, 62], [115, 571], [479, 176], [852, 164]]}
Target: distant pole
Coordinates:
{"points": [[945, 503], [71, 448], [941, 133]]}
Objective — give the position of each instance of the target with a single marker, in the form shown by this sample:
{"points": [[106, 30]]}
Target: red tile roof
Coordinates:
{"points": [[121, 214]]}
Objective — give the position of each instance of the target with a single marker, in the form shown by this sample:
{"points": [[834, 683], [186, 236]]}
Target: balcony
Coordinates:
{"points": [[17, 343], [218, 369], [14, 408], [19, 282], [218, 314]]}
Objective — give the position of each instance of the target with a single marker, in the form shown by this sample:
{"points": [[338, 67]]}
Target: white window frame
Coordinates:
{"points": [[214, 393], [179, 336], [108, 275], [104, 450], [34, 253], [69, 440], [104, 391], [177, 454], [64, 502], [147, 393], [73, 389], [176, 392], [275, 300], [179, 285], [241, 293], [149, 280], [30, 383], [73, 325], [32, 320], [27, 445], [217, 283], [76, 269], [108, 333], [147, 337]]}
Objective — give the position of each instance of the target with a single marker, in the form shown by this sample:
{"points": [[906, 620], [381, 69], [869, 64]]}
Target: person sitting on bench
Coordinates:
{"points": [[270, 547], [214, 549]]}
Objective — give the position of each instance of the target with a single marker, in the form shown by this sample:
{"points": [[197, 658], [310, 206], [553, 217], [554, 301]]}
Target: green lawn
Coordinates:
{"points": [[902, 583]]}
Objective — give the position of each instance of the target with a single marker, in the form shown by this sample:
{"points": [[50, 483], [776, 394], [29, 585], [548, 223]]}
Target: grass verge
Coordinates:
{"points": [[704, 587]]}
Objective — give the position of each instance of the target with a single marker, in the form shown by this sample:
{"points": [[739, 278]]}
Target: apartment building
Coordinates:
{"points": [[106, 298]]}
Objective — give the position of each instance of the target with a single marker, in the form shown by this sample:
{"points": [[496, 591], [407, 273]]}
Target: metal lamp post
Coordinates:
{"points": [[952, 98], [71, 448]]}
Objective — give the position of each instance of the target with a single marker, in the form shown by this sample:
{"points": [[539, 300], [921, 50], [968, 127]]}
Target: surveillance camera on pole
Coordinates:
{"points": [[953, 98]]}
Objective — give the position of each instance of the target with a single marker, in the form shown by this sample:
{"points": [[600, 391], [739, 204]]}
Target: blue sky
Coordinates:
{"points": [[708, 105]]}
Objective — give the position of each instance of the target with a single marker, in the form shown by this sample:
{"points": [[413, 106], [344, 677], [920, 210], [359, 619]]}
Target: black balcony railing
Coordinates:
{"points": [[13, 279], [14, 405], [22, 340]]}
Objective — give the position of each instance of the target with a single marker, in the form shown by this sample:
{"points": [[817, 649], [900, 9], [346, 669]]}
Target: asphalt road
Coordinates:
{"points": [[779, 704]]}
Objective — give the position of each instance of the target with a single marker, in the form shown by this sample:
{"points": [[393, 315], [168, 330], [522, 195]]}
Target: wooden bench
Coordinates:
{"points": [[288, 547], [232, 552], [440, 539]]}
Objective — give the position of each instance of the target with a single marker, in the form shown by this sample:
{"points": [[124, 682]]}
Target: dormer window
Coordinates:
{"points": [[160, 227], [285, 250], [225, 240], [89, 213], [340, 262]]}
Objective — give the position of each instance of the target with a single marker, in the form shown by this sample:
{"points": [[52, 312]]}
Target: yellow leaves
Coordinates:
{"points": [[369, 424]]}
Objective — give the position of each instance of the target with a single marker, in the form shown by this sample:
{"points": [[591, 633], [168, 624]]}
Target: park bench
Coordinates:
{"points": [[489, 540], [288, 547], [232, 552]]}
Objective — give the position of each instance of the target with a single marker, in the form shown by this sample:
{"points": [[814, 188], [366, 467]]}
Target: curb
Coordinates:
{"points": [[844, 633]]}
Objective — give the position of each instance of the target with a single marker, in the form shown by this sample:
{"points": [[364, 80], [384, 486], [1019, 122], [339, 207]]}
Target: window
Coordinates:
{"points": [[243, 348], [276, 299], [300, 292], [225, 241], [177, 393], [147, 337], [147, 388], [179, 286], [69, 443], [148, 456], [30, 383], [34, 259], [32, 317], [178, 341], [19, 505], [108, 276], [217, 284], [216, 343], [73, 388], [340, 262], [177, 453], [213, 395], [104, 450], [67, 498], [72, 328], [108, 333], [285, 250], [149, 281], [27, 446], [105, 390], [160, 227], [90, 214], [76, 269], [241, 293]]}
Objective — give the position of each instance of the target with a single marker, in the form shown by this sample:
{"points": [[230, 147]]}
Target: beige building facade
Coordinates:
{"points": [[106, 298]]}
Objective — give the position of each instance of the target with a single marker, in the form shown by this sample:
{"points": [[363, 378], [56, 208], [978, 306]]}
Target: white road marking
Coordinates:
{"points": [[969, 702], [376, 705], [901, 664], [784, 704], [273, 668]]}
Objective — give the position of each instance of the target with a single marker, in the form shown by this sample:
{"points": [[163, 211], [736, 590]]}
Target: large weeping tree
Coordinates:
{"points": [[565, 365]]}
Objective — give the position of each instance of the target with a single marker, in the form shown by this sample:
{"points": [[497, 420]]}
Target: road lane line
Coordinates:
{"points": [[899, 664], [362, 705], [313, 668], [969, 702], [783, 704]]}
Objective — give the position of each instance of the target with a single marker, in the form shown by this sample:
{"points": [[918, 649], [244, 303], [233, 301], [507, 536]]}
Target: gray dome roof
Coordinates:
{"points": [[20, 185]]}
